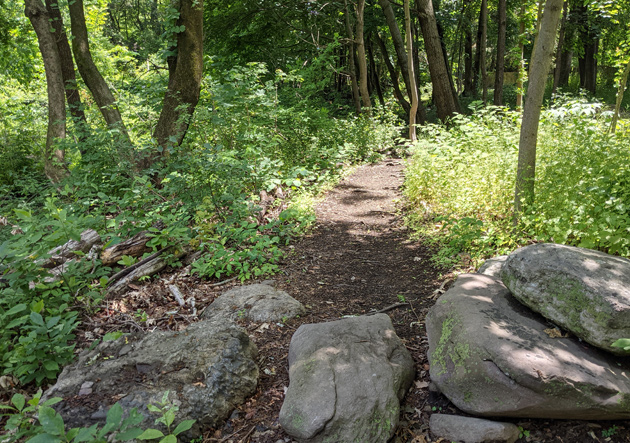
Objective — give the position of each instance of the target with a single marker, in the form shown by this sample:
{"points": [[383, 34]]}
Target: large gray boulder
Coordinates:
{"points": [[586, 292], [208, 369], [491, 356], [258, 302], [347, 378]]}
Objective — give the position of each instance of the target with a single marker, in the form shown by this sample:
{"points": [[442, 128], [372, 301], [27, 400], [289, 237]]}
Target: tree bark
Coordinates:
{"points": [[399, 44], [480, 58], [590, 41], [559, 49], [468, 53], [393, 75], [443, 92], [500, 66], [374, 72], [622, 86], [89, 72], [363, 74], [521, 65], [414, 89], [356, 99], [67, 69], [54, 166], [184, 82], [538, 72]]}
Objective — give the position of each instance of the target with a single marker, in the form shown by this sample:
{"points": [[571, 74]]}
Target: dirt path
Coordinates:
{"points": [[356, 260]]}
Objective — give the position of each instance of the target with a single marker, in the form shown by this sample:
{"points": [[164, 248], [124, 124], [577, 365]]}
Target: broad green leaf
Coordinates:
{"points": [[114, 415], [86, 434], [18, 400], [150, 434], [37, 307], [623, 343], [51, 365], [15, 309], [183, 426], [51, 421], [129, 434], [44, 438], [169, 439]]}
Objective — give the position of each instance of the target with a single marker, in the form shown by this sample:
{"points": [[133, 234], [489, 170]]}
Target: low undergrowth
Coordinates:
{"points": [[460, 183], [236, 190]]}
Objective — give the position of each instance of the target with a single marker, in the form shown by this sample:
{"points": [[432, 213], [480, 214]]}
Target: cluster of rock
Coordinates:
{"points": [[495, 350], [347, 377]]}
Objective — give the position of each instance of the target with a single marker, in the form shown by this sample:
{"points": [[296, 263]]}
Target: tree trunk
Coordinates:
{"points": [[440, 76], [622, 86], [363, 75], [521, 65], [414, 89], [67, 69], [54, 166], [500, 66], [375, 79], [468, 53], [184, 82], [480, 58], [351, 67], [559, 50], [538, 72], [399, 44], [89, 72], [590, 41], [393, 75]]}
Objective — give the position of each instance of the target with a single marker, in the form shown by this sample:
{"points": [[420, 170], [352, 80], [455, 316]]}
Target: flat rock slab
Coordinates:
{"points": [[472, 430], [257, 302], [491, 356], [208, 369], [347, 378], [586, 292]]}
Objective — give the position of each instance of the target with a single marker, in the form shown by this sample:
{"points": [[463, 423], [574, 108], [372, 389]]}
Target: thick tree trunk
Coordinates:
{"points": [[622, 86], [500, 66], [414, 89], [590, 40], [363, 74], [538, 71], [67, 69], [393, 75], [89, 72], [356, 98], [54, 166], [559, 49], [184, 83], [443, 92], [399, 44]]}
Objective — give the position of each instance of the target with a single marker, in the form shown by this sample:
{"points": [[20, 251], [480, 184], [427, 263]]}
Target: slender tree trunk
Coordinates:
{"points": [[559, 49], [356, 99], [67, 69], [54, 166], [521, 63], [622, 86], [480, 57], [590, 41], [89, 72], [375, 76], [414, 89], [363, 75], [184, 83], [399, 44], [441, 79], [393, 75], [538, 72], [500, 66], [468, 53]]}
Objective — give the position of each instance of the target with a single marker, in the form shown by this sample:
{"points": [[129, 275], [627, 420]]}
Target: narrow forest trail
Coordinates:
{"points": [[357, 259]]}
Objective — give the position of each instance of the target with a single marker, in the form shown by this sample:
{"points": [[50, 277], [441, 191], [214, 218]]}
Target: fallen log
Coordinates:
{"points": [[63, 253], [133, 247], [149, 266]]}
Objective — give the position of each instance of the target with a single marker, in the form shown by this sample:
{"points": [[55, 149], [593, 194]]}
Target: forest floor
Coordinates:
{"points": [[358, 259]]}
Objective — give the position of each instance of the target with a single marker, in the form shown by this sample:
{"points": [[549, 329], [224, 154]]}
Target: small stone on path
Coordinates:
{"points": [[472, 430]]}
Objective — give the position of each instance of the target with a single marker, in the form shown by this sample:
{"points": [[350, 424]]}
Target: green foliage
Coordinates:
{"points": [[460, 182], [610, 431], [50, 426], [623, 343]]}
